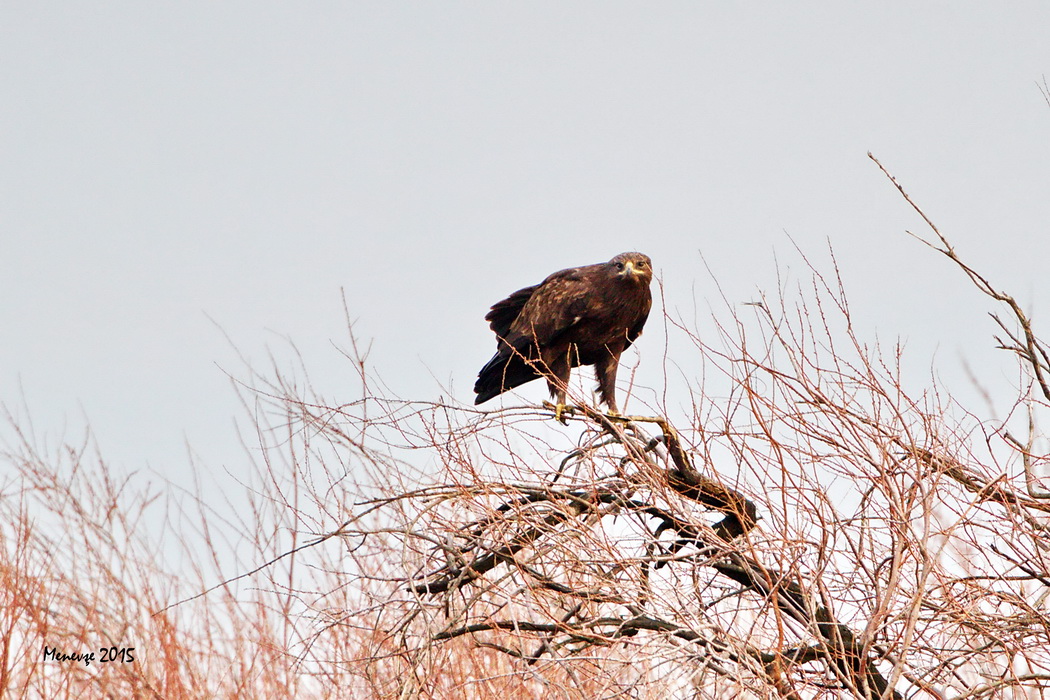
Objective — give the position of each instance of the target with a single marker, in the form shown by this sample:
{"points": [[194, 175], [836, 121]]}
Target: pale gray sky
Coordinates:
{"points": [[166, 163]]}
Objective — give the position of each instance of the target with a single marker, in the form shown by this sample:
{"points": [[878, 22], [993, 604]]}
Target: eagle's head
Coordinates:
{"points": [[632, 267]]}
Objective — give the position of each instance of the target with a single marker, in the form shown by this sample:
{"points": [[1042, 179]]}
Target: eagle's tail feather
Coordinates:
{"points": [[502, 373]]}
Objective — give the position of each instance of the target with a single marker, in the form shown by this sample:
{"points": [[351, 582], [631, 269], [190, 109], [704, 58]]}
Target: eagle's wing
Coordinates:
{"points": [[555, 305], [503, 313], [526, 324]]}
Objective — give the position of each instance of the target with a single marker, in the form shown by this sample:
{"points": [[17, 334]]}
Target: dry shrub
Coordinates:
{"points": [[809, 529]]}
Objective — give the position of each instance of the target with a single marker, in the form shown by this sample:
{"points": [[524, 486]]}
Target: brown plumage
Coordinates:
{"points": [[580, 316]]}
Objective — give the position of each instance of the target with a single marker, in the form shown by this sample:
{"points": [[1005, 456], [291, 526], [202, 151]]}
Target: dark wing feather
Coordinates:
{"points": [[504, 312], [504, 371]]}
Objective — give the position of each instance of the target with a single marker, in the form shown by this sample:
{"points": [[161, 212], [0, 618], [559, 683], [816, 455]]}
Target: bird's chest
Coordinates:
{"points": [[605, 322], [621, 310]]}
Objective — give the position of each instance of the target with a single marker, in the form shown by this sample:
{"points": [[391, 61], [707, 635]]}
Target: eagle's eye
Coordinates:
{"points": [[619, 266]]}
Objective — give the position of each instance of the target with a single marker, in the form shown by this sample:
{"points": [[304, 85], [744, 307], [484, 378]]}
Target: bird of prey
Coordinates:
{"points": [[580, 316]]}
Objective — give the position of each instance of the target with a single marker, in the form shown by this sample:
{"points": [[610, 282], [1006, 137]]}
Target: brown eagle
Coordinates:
{"points": [[580, 316]]}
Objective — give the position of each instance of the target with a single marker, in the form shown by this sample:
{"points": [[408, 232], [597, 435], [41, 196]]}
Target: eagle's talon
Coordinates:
{"points": [[561, 411]]}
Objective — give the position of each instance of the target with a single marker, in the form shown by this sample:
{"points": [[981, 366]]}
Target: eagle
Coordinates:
{"points": [[579, 316]]}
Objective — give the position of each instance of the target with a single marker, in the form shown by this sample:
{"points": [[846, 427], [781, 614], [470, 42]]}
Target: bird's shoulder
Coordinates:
{"points": [[569, 281]]}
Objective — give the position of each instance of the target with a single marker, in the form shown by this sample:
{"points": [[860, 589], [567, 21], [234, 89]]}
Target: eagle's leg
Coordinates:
{"points": [[605, 373], [557, 382], [561, 409]]}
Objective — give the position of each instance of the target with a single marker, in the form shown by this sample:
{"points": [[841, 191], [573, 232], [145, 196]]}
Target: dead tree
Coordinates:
{"points": [[811, 527]]}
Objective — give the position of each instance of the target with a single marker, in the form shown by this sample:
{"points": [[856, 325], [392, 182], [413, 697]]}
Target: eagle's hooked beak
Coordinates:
{"points": [[629, 269]]}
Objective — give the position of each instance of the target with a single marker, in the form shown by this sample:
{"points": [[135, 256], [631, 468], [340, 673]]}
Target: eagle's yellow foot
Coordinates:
{"points": [[561, 411]]}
